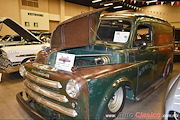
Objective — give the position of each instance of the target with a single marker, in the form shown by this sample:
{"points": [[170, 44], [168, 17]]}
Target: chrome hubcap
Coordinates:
{"points": [[116, 101]]}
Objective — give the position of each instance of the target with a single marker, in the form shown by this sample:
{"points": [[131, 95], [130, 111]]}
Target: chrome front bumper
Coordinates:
{"points": [[10, 69], [29, 110], [6, 66]]}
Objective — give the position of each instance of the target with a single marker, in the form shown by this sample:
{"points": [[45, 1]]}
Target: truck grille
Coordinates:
{"points": [[38, 93], [43, 81]]}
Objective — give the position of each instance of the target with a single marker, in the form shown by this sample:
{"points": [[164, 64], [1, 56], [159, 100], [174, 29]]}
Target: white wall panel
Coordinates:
{"points": [[34, 20]]}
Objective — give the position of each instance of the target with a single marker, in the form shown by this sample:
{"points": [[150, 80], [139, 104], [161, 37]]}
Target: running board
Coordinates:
{"points": [[148, 91]]}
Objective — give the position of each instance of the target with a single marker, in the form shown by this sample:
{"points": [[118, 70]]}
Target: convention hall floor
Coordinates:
{"points": [[12, 84]]}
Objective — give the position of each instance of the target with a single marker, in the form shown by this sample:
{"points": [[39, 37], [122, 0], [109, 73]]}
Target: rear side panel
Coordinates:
{"points": [[163, 47]]}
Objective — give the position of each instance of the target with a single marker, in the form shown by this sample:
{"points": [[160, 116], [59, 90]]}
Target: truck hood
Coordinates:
{"points": [[18, 29], [77, 31]]}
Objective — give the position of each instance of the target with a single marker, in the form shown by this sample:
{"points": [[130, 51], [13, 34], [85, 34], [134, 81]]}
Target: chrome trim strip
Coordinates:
{"points": [[56, 107], [26, 55], [44, 92], [16, 63], [43, 81]]}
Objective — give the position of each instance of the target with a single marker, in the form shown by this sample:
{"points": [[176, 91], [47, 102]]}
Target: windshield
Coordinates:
{"points": [[114, 31]]}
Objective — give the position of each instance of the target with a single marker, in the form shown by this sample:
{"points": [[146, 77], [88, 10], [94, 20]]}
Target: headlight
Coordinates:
{"points": [[72, 88], [22, 70]]}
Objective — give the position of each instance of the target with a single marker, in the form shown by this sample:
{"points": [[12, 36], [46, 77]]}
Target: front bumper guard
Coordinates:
{"points": [[29, 110]]}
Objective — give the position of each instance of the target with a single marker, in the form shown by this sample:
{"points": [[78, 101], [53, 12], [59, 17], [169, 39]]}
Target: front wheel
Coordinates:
{"points": [[115, 105], [31, 59]]}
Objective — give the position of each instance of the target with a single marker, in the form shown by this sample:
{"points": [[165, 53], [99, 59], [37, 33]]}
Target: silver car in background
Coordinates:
{"points": [[172, 99], [15, 53]]}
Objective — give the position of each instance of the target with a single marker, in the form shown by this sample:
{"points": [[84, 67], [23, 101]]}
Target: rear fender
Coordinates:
{"points": [[169, 63]]}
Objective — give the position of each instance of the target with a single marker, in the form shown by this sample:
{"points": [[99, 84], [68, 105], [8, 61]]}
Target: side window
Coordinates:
{"points": [[143, 35]]}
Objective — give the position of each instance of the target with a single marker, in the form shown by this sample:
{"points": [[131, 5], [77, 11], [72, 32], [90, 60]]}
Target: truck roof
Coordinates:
{"points": [[134, 17]]}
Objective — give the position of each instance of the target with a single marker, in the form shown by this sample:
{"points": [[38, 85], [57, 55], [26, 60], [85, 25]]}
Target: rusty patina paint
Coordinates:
{"points": [[101, 71], [77, 31], [120, 64]]}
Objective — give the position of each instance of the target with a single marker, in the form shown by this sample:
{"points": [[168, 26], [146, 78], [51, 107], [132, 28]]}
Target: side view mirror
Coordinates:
{"points": [[141, 42], [143, 45]]}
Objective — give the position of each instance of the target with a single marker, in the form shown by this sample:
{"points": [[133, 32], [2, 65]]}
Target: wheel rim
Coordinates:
{"points": [[116, 101], [167, 71]]}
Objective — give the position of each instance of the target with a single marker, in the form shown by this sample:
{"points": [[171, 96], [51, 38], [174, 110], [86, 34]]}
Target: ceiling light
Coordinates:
{"points": [[116, 7], [152, 1], [94, 1], [108, 4]]}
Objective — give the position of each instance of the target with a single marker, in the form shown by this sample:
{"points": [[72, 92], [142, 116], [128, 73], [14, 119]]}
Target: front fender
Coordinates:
{"points": [[103, 81]]}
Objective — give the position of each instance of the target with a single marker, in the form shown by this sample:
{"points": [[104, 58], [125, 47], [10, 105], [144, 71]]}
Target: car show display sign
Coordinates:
{"points": [[64, 61]]}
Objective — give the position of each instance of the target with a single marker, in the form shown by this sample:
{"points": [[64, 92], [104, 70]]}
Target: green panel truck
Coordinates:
{"points": [[96, 61]]}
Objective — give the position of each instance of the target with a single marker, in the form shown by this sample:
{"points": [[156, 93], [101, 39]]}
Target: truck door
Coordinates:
{"points": [[145, 56]]}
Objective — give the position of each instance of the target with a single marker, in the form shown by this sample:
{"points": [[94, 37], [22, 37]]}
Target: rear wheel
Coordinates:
{"points": [[115, 104], [167, 71]]}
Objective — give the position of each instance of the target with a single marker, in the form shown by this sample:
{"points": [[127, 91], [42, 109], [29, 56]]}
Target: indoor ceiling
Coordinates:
{"points": [[117, 5]]}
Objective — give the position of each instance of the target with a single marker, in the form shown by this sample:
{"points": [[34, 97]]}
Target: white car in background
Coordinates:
{"points": [[172, 100], [13, 55]]}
